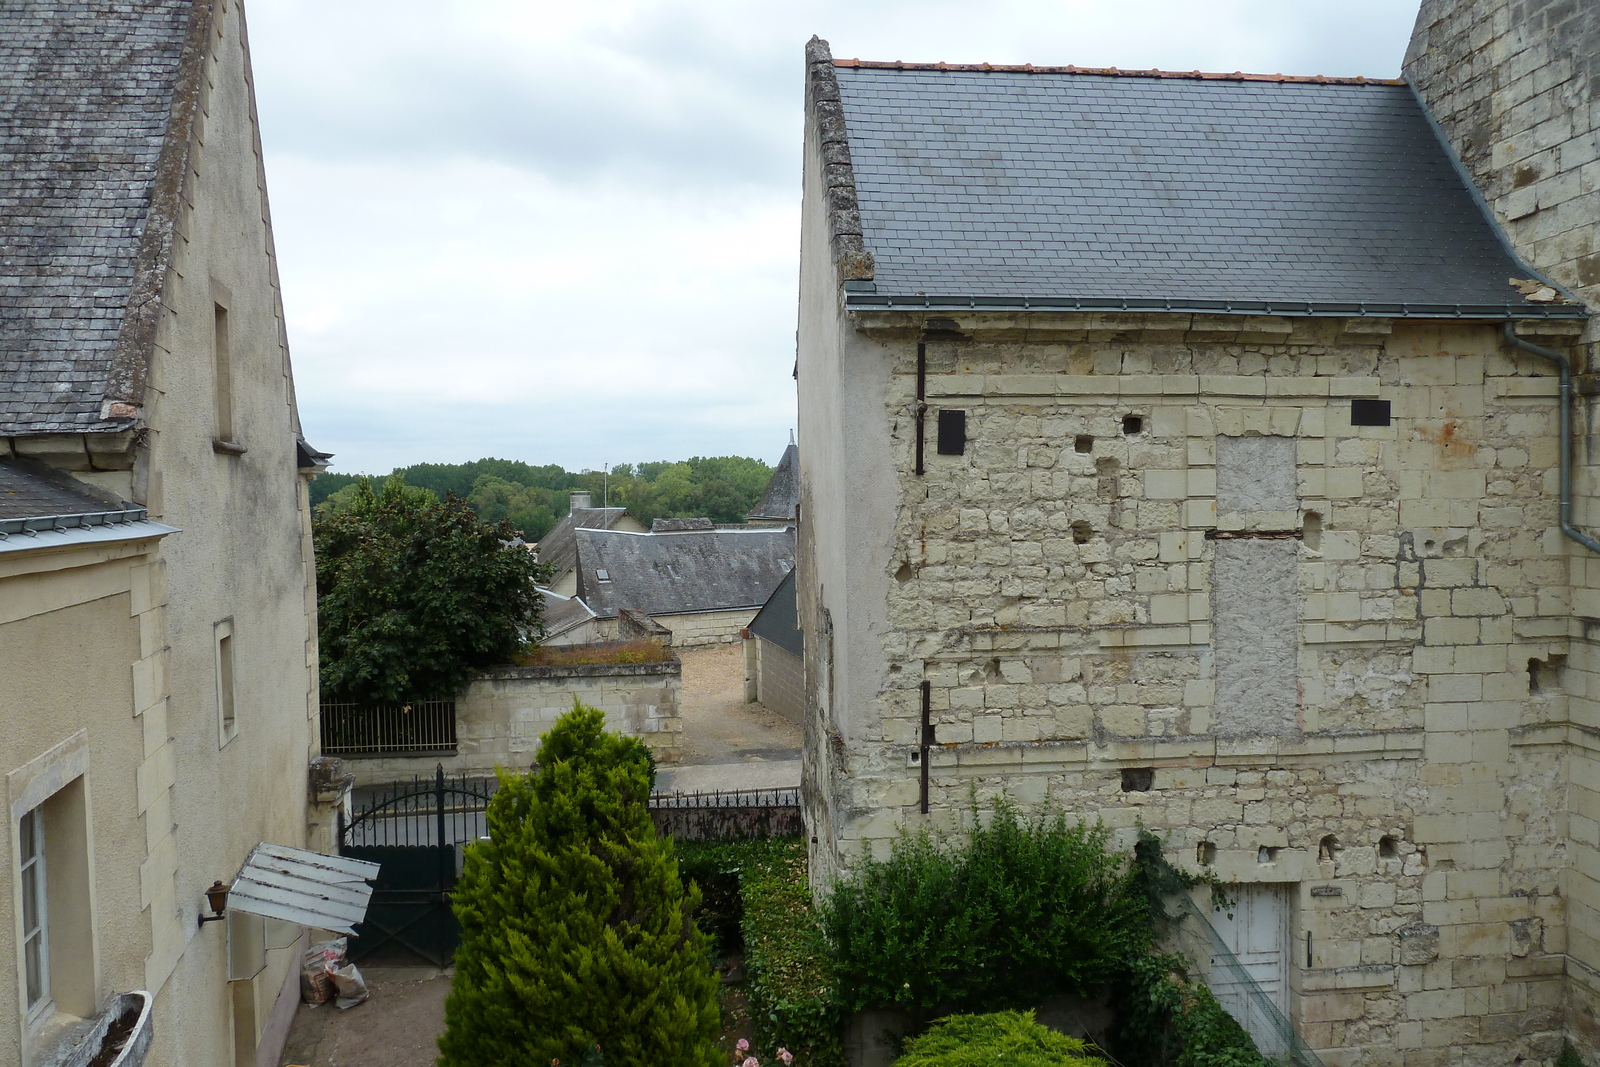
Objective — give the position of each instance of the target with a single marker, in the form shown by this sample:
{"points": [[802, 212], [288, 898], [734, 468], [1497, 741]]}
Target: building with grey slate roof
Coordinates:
{"points": [[1194, 451], [558, 549], [780, 501], [703, 585], [158, 641]]}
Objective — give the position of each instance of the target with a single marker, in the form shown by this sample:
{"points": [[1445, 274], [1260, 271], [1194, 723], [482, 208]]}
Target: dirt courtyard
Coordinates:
{"points": [[718, 726], [398, 1027]]}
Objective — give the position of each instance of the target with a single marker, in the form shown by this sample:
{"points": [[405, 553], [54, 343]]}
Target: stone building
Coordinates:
{"points": [[1185, 450], [1516, 88], [158, 684]]}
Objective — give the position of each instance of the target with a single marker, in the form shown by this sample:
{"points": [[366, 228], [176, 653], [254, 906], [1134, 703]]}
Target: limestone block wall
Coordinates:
{"points": [[704, 628], [1171, 580], [1514, 87], [779, 678], [504, 713]]}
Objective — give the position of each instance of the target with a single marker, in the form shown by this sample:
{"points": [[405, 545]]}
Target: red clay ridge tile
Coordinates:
{"points": [[1196, 75]]}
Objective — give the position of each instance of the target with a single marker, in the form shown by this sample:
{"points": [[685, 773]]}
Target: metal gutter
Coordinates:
{"points": [[1565, 432], [40, 538], [861, 299]]}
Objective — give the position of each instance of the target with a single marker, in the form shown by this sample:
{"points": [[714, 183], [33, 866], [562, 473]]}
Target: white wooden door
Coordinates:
{"points": [[1256, 931]]}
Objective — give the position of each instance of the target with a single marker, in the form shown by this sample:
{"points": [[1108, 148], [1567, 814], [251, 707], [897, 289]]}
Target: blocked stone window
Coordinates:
{"points": [[1544, 676], [1256, 474], [1137, 779]]}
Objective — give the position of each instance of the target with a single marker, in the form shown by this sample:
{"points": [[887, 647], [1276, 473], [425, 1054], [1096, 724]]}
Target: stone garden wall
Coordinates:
{"points": [[504, 713]]}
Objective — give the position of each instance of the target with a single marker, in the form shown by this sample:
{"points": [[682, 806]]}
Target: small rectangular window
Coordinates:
{"points": [[1369, 413], [35, 922], [952, 432], [222, 358], [227, 719]]}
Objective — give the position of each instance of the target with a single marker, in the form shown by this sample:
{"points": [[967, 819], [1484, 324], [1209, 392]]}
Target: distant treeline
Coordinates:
{"points": [[720, 488]]}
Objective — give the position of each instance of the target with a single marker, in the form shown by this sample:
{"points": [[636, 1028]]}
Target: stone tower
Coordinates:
{"points": [[1515, 84]]}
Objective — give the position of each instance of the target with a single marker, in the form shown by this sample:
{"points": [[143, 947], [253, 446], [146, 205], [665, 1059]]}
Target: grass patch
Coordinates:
{"points": [[610, 652]]}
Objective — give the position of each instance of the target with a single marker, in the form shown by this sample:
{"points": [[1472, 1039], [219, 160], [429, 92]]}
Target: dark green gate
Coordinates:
{"points": [[415, 831]]}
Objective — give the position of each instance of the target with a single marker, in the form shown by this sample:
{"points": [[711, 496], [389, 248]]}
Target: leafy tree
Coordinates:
{"points": [[575, 928], [721, 488], [415, 594], [526, 507]]}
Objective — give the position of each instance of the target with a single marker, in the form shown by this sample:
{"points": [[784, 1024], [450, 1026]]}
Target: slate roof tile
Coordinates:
{"points": [[978, 184], [677, 573], [85, 95]]}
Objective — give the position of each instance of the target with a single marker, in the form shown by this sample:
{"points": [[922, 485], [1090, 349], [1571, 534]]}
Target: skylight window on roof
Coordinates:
{"points": [[604, 576]]}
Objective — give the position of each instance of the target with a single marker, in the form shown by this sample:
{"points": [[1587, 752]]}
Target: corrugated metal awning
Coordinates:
{"points": [[301, 886]]}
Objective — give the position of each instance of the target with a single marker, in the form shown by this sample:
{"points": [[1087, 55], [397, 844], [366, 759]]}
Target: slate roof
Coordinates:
{"points": [[778, 620], [781, 500], [678, 573], [86, 91], [1011, 188], [563, 613], [31, 490], [559, 547]]}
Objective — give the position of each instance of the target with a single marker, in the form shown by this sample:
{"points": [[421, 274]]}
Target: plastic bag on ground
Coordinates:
{"points": [[351, 986], [317, 984]]}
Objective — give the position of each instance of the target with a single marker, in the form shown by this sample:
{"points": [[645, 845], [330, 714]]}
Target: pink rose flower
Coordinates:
{"points": [[786, 1056], [742, 1045]]}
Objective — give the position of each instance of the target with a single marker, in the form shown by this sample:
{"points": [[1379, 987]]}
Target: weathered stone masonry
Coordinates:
{"points": [[1132, 485]]}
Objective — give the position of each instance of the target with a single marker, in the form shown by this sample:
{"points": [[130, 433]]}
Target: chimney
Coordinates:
{"points": [[578, 498]]}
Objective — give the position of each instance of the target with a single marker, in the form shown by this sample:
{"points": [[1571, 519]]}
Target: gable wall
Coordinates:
{"points": [[243, 554], [1397, 691]]}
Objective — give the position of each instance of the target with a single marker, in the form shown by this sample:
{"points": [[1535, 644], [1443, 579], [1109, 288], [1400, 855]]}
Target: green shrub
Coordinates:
{"points": [[1168, 1017], [1026, 911], [575, 927], [1569, 1056], [790, 979], [1003, 1039]]}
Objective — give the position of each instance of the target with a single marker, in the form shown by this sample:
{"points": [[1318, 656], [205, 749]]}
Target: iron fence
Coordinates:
{"points": [[420, 728], [729, 798]]}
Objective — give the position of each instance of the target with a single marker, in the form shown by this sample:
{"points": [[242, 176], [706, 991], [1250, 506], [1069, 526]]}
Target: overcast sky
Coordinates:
{"points": [[569, 232]]}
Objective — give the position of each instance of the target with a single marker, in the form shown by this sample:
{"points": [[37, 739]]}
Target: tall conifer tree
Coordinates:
{"points": [[575, 927]]}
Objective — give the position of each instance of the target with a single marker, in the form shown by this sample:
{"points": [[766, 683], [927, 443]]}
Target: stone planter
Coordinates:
{"points": [[123, 1030]]}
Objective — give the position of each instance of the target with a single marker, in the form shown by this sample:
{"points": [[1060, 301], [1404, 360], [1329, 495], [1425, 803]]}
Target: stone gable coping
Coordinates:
{"points": [[130, 356], [850, 255]]}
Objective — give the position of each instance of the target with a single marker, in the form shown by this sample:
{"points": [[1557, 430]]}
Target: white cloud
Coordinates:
{"points": [[569, 232]]}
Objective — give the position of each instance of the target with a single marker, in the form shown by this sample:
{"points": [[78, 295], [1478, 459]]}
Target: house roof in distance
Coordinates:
{"points": [[778, 620], [680, 573], [780, 502], [559, 549], [1061, 188], [87, 91]]}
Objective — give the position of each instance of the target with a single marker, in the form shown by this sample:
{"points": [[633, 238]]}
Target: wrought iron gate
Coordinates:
{"points": [[415, 830]]}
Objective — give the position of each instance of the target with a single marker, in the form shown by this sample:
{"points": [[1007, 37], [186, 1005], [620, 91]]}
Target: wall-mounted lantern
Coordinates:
{"points": [[217, 897]]}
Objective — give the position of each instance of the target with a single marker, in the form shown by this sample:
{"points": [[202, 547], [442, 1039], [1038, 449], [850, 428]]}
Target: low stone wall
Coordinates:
{"points": [[504, 713]]}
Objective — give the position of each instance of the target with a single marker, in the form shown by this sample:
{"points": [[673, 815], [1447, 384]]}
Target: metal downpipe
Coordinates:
{"points": [[1565, 432]]}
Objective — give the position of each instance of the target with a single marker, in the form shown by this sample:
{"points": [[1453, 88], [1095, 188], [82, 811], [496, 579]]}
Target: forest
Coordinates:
{"points": [[720, 488]]}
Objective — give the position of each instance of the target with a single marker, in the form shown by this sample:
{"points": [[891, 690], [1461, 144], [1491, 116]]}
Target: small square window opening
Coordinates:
{"points": [[952, 432], [1369, 413]]}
